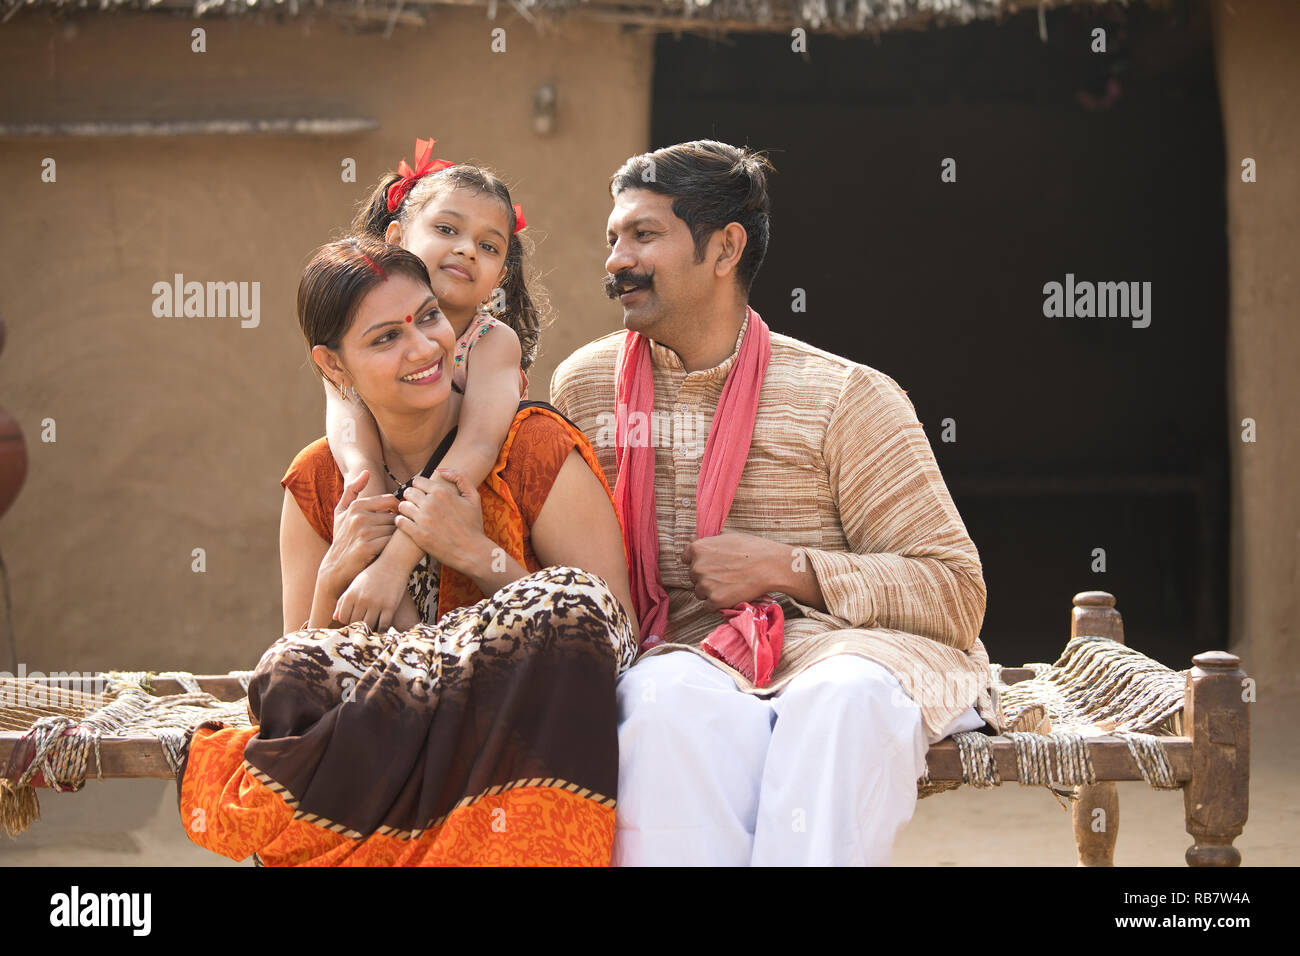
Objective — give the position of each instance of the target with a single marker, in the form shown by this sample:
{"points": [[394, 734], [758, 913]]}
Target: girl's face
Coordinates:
{"points": [[397, 350], [462, 235]]}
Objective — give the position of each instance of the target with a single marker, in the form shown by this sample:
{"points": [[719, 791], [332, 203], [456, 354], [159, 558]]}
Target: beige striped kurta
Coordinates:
{"points": [[840, 469]]}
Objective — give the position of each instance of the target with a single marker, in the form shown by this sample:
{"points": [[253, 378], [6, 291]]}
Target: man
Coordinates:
{"points": [[833, 506]]}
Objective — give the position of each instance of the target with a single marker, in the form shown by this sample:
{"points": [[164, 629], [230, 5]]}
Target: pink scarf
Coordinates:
{"points": [[751, 636]]}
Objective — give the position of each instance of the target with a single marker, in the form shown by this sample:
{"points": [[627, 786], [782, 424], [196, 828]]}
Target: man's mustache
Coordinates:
{"points": [[626, 282]]}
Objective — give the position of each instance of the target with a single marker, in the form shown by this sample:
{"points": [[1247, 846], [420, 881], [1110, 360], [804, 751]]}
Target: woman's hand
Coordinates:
{"points": [[362, 526], [444, 516]]}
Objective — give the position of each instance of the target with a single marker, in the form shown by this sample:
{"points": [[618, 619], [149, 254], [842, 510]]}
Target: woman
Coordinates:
{"points": [[487, 737]]}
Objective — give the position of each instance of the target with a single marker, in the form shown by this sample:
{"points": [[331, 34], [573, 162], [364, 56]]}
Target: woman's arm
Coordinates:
{"points": [[577, 527], [301, 552], [354, 441], [309, 588]]}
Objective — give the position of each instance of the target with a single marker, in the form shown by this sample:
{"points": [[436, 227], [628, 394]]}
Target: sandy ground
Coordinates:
{"points": [[136, 822]]}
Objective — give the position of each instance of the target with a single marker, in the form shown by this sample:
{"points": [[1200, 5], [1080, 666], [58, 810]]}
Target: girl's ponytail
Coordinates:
{"points": [[522, 313], [372, 219]]}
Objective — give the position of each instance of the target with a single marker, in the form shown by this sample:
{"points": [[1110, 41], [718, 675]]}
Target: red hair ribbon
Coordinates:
{"points": [[423, 166], [409, 177]]}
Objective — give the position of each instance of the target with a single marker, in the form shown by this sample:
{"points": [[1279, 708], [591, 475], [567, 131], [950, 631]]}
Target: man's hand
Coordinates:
{"points": [[731, 568]]}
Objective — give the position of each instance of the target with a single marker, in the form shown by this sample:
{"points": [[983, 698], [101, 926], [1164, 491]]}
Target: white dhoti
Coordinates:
{"points": [[823, 773]]}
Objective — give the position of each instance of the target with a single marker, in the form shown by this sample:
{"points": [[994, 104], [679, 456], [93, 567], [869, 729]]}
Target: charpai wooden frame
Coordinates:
{"points": [[1211, 761]]}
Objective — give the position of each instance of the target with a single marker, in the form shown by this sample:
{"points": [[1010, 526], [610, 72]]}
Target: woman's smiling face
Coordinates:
{"points": [[462, 235], [398, 348]]}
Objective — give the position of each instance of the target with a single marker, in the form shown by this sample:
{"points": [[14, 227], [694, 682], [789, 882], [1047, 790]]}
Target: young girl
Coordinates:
{"points": [[459, 219]]}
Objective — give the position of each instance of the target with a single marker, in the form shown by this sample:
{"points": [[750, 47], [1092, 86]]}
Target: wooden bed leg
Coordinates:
{"points": [[1216, 716], [1095, 832]]}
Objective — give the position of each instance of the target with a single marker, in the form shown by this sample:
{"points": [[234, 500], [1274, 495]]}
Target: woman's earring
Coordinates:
{"points": [[342, 392]]}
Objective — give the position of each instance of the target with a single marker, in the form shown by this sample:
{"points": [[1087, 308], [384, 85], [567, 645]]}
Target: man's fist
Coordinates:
{"points": [[731, 568]]}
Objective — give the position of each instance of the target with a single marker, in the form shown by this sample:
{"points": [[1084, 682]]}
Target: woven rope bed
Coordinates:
{"points": [[1097, 687], [1103, 712], [63, 729]]}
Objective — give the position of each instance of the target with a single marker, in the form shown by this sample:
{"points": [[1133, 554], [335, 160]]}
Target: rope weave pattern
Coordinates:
{"points": [[1152, 760], [978, 768], [23, 701], [1097, 686], [1059, 758], [63, 744], [1099, 681]]}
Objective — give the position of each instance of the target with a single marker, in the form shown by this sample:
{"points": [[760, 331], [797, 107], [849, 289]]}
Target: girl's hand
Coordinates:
{"points": [[445, 518], [362, 527], [408, 615], [374, 596]]}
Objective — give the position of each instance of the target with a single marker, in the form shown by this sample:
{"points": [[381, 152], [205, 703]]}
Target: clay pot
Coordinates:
{"points": [[13, 451]]}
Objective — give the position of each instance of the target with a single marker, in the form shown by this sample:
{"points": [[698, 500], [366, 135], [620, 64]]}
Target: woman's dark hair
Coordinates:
{"points": [[524, 310], [337, 279], [712, 184]]}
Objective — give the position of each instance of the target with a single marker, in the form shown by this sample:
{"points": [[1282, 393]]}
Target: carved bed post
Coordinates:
{"points": [[1095, 833], [1216, 716]]}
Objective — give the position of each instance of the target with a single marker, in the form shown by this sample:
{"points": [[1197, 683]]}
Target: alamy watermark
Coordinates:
{"points": [[211, 300], [76, 908], [927, 687], [682, 428], [38, 689], [1086, 300]]}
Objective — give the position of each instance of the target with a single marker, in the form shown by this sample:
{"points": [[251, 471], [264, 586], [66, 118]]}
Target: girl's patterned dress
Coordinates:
{"points": [[483, 324]]}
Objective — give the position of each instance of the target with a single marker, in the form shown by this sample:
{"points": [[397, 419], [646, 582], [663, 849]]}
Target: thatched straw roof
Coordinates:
{"points": [[771, 16]]}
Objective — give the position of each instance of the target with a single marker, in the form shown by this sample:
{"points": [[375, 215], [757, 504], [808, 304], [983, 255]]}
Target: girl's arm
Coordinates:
{"points": [[489, 407], [354, 441]]}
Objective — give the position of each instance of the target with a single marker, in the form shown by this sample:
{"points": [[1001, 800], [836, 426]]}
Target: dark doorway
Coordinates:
{"points": [[1072, 434]]}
